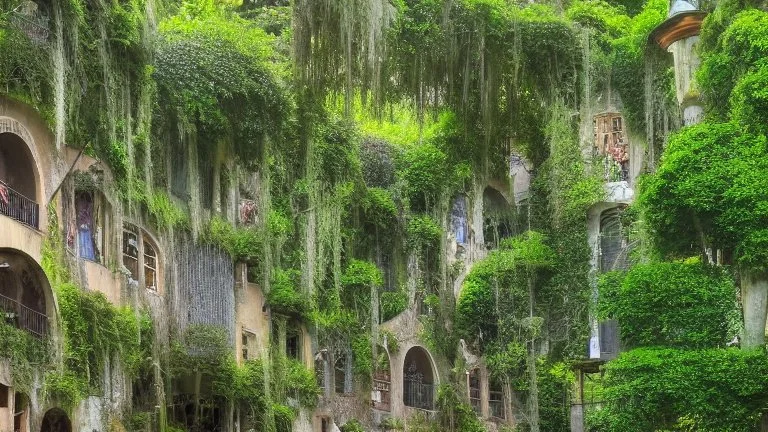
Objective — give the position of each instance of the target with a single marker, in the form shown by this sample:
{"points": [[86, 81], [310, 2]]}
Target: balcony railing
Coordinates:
{"points": [[419, 395], [496, 404], [20, 316], [17, 206]]}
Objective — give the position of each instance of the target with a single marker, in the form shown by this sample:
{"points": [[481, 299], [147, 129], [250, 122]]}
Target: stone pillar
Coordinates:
{"points": [[485, 392], [686, 64], [679, 35]]}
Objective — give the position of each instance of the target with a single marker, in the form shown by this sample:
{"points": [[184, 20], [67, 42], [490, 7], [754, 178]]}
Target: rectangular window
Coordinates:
{"points": [[131, 253], [150, 267], [4, 396]]}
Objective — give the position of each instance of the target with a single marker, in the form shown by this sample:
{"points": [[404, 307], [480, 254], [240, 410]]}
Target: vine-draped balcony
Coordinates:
{"points": [[23, 317], [17, 206]]}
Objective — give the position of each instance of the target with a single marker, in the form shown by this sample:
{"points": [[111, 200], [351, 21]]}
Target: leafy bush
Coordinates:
{"points": [[454, 413], [285, 294], [737, 50], [425, 171], [212, 70], [377, 158], [352, 426], [94, 331], [423, 233], [392, 303], [672, 304], [709, 192], [336, 151], [283, 418], [300, 382], [667, 389], [379, 209]]}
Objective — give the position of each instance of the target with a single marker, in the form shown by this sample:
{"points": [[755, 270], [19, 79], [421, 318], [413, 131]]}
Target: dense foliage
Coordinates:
{"points": [[673, 304], [708, 192], [654, 389]]}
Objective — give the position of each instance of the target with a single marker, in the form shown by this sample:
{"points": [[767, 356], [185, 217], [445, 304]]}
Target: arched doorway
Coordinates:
{"points": [[498, 217], [56, 420], [614, 247], [25, 294], [18, 188], [418, 379]]}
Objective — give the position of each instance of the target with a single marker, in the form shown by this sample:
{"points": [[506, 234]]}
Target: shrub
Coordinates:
{"points": [[668, 389], [673, 304]]}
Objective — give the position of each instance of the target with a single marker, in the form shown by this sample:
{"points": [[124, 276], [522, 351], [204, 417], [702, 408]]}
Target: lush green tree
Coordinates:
{"points": [[655, 389], [678, 304], [709, 194]]}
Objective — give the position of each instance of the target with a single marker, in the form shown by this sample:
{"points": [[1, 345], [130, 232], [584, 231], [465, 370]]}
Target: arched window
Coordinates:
{"points": [[613, 244], [25, 296], [141, 259]]}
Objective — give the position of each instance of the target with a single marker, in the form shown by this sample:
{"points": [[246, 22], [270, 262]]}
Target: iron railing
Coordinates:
{"points": [[20, 316], [419, 395], [496, 404], [17, 206], [382, 384]]}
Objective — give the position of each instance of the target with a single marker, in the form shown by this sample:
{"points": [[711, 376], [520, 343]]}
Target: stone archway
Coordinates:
{"points": [[26, 298], [19, 191], [498, 217], [419, 379], [56, 420]]}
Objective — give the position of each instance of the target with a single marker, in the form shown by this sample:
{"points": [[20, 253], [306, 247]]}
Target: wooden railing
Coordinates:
{"points": [[20, 316], [17, 206]]}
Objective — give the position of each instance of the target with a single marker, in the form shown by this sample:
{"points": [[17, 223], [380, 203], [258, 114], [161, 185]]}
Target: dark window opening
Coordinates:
{"points": [[498, 218], [496, 400], [292, 344], [474, 390], [4, 396], [418, 380], [614, 247], [342, 381]]}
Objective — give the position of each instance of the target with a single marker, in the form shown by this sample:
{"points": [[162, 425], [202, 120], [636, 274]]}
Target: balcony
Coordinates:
{"points": [[22, 317], [16, 206]]}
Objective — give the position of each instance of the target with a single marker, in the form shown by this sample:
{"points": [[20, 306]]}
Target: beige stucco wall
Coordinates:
{"points": [[101, 279]]}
